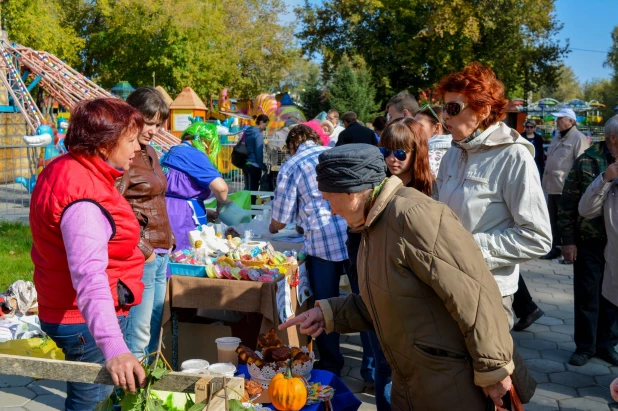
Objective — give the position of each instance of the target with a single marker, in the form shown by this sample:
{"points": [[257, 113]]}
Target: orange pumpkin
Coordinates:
{"points": [[287, 393]]}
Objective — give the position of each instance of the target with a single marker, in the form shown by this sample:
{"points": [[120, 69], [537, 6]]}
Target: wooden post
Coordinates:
{"points": [[73, 371]]}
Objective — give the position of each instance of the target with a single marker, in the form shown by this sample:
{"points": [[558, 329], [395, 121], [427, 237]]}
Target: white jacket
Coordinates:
{"points": [[561, 154], [492, 184], [601, 198]]}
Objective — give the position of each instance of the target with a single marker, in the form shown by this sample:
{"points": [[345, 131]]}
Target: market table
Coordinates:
{"points": [[344, 399], [225, 294]]}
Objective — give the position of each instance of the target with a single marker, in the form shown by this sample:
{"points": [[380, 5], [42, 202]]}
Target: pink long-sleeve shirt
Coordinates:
{"points": [[86, 232]]}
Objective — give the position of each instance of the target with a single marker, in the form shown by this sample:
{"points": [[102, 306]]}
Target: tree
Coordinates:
{"points": [[412, 44], [41, 25], [351, 90], [311, 97], [612, 55], [206, 45], [605, 91], [568, 87]]}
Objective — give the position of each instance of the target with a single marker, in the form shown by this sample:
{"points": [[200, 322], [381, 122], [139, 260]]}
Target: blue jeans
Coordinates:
{"points": [[144, 321], [324, 280], [78, 345], [373, 359]]}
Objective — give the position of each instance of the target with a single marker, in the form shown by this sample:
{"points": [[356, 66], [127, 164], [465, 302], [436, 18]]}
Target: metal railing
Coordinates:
{"points": [[18, 166]]}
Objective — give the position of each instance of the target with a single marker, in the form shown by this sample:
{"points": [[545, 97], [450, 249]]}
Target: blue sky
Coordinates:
{"points": [[588, 25]]}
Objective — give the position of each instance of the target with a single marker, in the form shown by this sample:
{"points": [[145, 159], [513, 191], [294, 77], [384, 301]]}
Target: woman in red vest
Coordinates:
{"points": [[87, 266]]}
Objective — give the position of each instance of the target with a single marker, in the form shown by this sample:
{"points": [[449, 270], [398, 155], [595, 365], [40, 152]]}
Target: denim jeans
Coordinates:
{"points": [[374, 362], [78, 345], [324, 280], [144, 321]]}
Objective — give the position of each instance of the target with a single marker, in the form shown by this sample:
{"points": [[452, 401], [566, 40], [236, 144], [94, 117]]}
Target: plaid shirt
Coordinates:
{"points": [[297, 199]]}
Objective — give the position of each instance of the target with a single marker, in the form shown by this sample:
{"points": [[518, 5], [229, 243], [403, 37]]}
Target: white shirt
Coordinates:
{"points": [[334, 136]]}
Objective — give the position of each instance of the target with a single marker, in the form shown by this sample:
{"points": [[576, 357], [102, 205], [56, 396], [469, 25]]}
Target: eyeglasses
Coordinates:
{"points": [[454, 108], [530, 126], [433, 113], [399, 154]]}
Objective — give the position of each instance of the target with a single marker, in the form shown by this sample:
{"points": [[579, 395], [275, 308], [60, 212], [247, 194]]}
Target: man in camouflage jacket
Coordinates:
{"points": [[596, 326]]}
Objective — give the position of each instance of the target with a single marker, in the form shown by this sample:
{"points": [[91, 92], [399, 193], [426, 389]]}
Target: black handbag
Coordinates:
{"points": [[240, 153]]}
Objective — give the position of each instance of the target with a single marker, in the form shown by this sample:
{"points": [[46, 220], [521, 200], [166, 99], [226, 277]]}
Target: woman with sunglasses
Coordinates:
{"points": [[404, 147], [430, 119], [490, 180]]}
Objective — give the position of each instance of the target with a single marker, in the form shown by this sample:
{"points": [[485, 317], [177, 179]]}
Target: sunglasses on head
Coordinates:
{"points": [[433, 113], [454, 108], [399, 154]]}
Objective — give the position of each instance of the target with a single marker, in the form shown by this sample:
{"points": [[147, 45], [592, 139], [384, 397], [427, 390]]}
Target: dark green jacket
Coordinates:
{"points": [[572, 227]]}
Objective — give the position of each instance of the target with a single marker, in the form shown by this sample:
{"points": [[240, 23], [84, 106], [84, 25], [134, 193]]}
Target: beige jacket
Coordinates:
{"points": [[437, 311], [492, 185], [561, 154], [601, 198]]}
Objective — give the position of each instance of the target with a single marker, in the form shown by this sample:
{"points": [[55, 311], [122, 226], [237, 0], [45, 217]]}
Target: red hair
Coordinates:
{"points": [[481, 88], [99, 124], [407, 134]]}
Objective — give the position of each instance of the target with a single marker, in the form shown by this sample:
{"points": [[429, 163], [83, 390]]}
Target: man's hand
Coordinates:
{"points": [[127, 373], [613, 389], [611, 173], [498, 390], [569, 252], [272, 229], [311, 322]]}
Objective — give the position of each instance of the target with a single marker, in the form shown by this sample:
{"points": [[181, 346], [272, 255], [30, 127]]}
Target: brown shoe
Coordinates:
{"points": [[528, 320]]}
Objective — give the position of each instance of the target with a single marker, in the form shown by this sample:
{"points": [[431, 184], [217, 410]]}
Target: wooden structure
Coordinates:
{"points": [[187, 104], [213, 390]]}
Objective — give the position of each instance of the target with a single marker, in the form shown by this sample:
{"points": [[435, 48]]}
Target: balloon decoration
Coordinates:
{"points": [[265, 104], [205, 138]]}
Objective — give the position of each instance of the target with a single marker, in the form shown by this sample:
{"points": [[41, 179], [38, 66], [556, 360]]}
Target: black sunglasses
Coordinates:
{"points": [[530, 126], [399, 154], [454, 108]]}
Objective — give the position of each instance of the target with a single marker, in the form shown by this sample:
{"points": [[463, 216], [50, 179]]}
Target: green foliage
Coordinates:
{"points": [[604, 91], [41, 25], [311, 97], [612, 55], [15, 247], [206, 45], [567, 87], [351, 90], [410, 45]]}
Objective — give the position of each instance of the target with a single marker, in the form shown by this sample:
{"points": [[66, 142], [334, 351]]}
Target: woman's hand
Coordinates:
{"points": [[212, 215], [498, 390], [127, 373], [311, 322]]}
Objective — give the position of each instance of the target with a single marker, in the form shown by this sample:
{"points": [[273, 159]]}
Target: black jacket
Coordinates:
{"points": [[539, 152], [357, 134]]}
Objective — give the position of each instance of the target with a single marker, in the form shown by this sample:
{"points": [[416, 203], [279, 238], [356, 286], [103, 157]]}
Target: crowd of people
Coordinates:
{"points": [[429, 213]]}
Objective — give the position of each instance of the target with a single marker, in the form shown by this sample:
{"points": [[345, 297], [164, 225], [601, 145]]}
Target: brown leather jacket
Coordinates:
{"points": [[144, 188]]}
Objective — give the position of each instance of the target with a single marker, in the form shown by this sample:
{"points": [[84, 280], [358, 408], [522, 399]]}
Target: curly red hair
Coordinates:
{"points": [[481, 88], [407, 134]]}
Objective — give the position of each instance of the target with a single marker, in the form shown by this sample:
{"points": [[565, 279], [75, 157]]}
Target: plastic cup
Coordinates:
{"points": [[226, 349], [222, 369], [194, 365]]}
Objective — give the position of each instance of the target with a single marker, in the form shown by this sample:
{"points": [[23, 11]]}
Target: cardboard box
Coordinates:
{"points": [[195, 341]]}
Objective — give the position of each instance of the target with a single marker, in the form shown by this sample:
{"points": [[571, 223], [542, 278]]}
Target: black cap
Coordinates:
{"points": [[350, 168]]}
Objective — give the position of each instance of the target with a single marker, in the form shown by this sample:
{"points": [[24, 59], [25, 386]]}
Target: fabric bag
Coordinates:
{"points": [[240, 153]]}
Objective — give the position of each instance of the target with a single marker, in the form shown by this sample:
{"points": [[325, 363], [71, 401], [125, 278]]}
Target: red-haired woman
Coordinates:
{"points": [[490, 180], [406, 153], [87, 266]]}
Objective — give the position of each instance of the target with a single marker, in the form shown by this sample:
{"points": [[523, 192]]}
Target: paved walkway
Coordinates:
{"points": [[546, 346]]}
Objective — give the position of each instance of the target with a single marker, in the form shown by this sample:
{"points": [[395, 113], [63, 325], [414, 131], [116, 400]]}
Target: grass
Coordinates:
{"points": [[15, 261]]}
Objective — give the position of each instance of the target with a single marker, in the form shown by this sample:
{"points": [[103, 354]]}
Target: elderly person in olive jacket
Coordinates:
{"points": [[424, 289]]}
